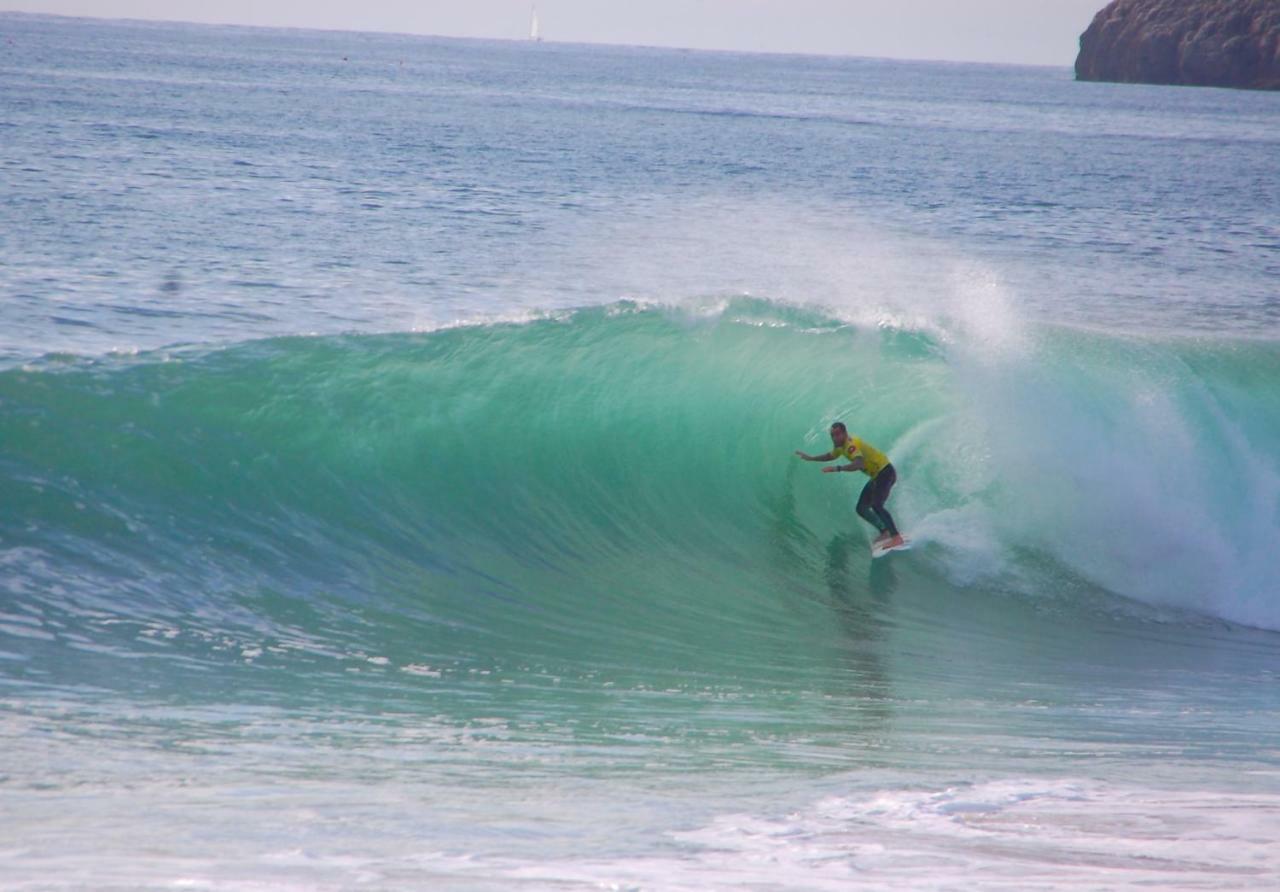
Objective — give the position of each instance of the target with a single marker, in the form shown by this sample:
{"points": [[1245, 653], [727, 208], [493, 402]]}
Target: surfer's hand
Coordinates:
{"points": [[831, 469], [802, 455]]}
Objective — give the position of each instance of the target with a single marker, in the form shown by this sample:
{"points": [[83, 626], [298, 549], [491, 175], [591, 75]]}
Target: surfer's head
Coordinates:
{"points": [[839, 433]]}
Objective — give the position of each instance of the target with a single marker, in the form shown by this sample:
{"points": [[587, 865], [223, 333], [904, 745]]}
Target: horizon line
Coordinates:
{"points": [[522, 40]]}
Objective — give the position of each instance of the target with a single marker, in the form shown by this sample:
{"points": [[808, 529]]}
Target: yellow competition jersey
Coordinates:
{"points": [[873, 459]]}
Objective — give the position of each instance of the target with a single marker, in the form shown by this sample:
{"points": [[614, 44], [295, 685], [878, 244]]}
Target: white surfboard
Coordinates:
{"points": [[878, 550]]}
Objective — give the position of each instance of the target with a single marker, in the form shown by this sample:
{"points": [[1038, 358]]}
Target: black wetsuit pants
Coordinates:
{"points": [[871, 502]]}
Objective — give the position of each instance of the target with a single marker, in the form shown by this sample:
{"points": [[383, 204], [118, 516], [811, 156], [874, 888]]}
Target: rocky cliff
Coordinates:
{"points": [[1209, 43]]}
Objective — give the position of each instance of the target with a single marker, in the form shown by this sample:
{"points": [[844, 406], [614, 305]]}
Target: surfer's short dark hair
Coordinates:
{"points": [[839, 425]]}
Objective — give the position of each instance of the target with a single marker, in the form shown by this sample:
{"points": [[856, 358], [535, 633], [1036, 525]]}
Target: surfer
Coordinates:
{"points": [[875, 464]]}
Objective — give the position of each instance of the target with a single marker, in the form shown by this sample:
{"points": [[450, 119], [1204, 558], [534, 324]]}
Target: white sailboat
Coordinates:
{"points": [[535, 28]]}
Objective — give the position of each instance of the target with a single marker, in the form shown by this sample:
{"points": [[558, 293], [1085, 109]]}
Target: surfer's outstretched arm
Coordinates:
{"points": [[826, 456], [856, 465]]}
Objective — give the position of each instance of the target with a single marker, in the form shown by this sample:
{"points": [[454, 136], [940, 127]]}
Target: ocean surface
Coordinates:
{"points": [[397, 485]]}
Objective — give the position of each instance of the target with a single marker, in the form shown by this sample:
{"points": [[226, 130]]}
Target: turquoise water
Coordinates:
{"points": [[396, 458]]}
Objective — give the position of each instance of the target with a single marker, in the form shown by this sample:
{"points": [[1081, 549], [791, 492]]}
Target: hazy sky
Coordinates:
{"points": [[1033, 31]]}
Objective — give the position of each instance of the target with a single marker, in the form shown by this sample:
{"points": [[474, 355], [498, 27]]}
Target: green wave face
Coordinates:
{"points": [[616, 487]]}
